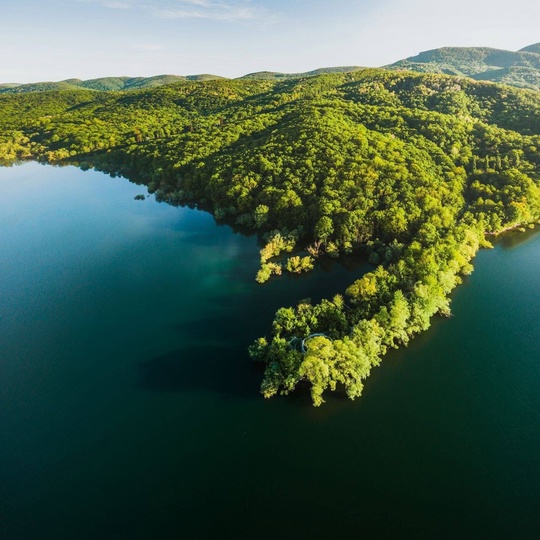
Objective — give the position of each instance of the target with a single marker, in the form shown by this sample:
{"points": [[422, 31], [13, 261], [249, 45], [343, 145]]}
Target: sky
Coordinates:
{"points": [[45, 40]]}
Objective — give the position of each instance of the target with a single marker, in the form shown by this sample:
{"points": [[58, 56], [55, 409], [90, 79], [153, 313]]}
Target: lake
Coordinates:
{"points": [[129, 407]]}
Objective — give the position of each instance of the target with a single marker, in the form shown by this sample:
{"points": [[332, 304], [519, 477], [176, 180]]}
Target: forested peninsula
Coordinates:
{"points": [[416, 170]]}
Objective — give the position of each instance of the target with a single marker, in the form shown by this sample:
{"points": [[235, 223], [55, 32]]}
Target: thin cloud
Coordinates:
{"points": [[111, 4], [218, 11], [203, 3], [148, 47]]}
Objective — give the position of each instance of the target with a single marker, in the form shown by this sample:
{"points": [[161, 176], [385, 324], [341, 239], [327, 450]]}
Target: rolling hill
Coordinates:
{"points": [[515, 68], [278, 76], [112, 84], [104, 84], [520, 68]]}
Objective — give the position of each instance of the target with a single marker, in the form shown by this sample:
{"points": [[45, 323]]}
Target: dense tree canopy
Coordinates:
{"points": [[413, 169], [521, 68]]}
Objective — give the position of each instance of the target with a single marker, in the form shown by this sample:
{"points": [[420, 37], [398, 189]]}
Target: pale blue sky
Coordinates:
{"points": [[58, 39]]}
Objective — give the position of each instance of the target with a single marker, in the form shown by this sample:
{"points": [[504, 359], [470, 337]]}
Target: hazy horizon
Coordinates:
{"points": [[89, 39]]}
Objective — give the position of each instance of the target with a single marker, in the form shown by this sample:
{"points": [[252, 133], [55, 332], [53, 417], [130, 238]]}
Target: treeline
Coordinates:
{"points": [[413, 169]]}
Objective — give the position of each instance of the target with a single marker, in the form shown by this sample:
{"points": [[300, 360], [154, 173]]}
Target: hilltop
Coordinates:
{"points": [[279, 76], [532, 48], [104, 84], [520, 68], [113, 84]]}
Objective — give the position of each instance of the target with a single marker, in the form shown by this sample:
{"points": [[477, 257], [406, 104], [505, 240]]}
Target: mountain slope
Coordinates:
{"points": [[515, 68], [520, 77], [276, 75], [532, 48], [104, 84], [112, 84], [521, 68]]}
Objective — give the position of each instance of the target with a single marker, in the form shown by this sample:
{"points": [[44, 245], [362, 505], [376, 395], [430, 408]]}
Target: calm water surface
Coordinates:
{"points": [[129, 408]]}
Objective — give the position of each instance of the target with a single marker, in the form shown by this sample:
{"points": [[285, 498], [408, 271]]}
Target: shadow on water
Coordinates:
{"points": [[208, 368], [512, 239], [215, 329]]}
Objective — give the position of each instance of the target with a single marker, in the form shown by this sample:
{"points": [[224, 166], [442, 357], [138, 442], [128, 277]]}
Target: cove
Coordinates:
{"points": [[129, 409]]}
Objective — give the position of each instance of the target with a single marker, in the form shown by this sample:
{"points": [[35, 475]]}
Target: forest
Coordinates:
{"points": [[520, 68], [418, 171]]}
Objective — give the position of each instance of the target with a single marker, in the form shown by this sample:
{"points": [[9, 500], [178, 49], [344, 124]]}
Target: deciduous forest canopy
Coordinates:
{"points": [[414, 169], [521, 68]]}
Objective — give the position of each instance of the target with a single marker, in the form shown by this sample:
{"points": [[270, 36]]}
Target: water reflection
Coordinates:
{"points": [[513, 239]]}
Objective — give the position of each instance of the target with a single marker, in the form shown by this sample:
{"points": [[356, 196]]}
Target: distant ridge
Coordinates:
{"points": [[532, 48], [276, 75], [515, 68], [112, 84], [105, 84], [520, 68]]}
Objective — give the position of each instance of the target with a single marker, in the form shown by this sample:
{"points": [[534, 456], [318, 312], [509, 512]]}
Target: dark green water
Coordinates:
{"points": [[128, 407]]}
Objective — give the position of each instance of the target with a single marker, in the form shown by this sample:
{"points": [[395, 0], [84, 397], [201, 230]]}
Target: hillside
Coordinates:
{"points": [[274, 75], [111, 84], [520, 69], [104, 84], [532, 48], [413, 170], [520, 77]]}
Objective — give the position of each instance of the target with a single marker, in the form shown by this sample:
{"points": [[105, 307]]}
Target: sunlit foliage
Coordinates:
{"points": [[412, 169]]}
